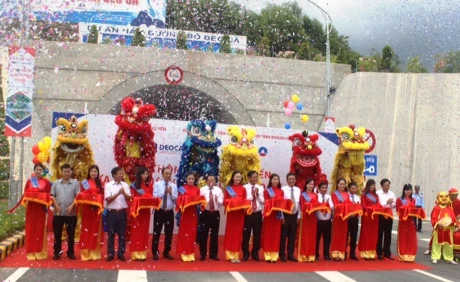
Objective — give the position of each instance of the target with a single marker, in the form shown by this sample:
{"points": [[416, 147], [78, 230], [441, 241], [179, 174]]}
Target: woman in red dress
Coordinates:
{"points": [[91, 221], [271, 227], [407, 233], [139, 225], [189, 219], [36, 248], [368, 236], [235, 218], [340, 198], [307, 237]]}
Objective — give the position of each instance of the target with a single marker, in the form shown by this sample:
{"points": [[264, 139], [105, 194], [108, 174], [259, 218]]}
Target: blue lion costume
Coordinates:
{"points": [[199, 151]]}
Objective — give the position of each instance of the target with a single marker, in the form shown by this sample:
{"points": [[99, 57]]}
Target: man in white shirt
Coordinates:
{"points": [[117, 195], [387, 199], [167, 191], [253, 222], [324, 224], [210, 218], [353, 221], [289, 227]]}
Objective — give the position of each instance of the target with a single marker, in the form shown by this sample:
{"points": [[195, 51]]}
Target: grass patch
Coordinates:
{"points": [[9, 223], [4, 189]]}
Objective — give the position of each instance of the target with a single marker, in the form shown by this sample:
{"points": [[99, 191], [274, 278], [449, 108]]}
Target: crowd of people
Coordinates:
{"points": [[286, 222]]}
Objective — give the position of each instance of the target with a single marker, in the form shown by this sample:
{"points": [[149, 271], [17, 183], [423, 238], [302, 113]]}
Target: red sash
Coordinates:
{"points": [[283, 205], [385, 211], [96, 200], [344, 211], [184, 202], [140, 203], [310, 208], [234, 204], [404, 213]]}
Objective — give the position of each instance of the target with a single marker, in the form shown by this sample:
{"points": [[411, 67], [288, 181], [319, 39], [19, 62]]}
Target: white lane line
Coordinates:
{"points": [[132, 275], [17, 274], [432, 275], [238, 277], [334, 276]]}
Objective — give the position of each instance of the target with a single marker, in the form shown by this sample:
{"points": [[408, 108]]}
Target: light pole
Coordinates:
{"points": [[328, 21]]}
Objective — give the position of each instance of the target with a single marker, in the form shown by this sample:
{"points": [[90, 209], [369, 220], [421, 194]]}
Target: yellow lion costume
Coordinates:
{"points": [[72, 147], [349, 161], [240, 154]]}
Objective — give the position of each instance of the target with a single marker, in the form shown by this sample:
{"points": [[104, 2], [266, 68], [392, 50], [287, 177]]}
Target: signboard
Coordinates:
{"points": [[121, 12], [329, 124], [162, 38], [19, 107], [174, 75], [371, 165]]}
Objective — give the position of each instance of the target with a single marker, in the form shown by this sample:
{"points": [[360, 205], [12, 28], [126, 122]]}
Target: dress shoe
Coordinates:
{"points": [[327, 258], [317, 257], [380, 257], [56, 257], [72, 257], [283, 259], [109, 258], [215, 258], [256, 258], [168, 256], [452, 262], [389, 257], [155, 256], [121, 258], [354, 258], [292, 259], [202, 258], [245, 258]]}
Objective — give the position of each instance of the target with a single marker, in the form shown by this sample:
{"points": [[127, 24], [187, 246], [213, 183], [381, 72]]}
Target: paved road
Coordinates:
{"points": [[440, 272]]}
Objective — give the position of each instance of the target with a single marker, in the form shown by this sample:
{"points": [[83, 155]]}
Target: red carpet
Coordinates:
{"points": [[18, 259]]}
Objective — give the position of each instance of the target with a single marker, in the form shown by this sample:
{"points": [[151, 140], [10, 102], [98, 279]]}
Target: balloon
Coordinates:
{"points": [[42, 157], [42, 146], [295, 98], [299, 106], [304, 118], [35, 160], [285, 104], [291, 105], [47, 141], [287, 125], [35, 149], [288, 112]]}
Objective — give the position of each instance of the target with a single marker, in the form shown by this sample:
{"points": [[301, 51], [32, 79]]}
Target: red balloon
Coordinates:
{"points": [[285, 104], [36, 161], [35, 149]]}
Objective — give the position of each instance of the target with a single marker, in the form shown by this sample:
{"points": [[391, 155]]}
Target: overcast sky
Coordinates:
{"points": [[421, 28]]}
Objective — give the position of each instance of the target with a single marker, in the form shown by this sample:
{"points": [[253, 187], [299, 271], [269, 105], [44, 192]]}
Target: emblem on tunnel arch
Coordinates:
{"points": [[174, 75]]}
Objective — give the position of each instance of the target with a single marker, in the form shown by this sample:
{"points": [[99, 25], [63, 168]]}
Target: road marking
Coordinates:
{"points": [[132, 275], [426, 240], [432, 275], [238, 277], [17, 274], [334, 276]]}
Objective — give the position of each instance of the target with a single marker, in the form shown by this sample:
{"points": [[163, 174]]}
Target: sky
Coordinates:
{"points": [[413, 28]]}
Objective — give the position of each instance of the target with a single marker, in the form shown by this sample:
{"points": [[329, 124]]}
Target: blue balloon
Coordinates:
{"points": [[287, 125], [299, 106]]}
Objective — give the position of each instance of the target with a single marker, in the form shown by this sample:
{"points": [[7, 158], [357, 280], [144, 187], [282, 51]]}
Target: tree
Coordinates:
{"points": [[415, 66], [93, 35], [181, 40], [225, 46], [138, 38], [387, 57], [264, 47], [448, 63], [306, 52], [107, 40]]}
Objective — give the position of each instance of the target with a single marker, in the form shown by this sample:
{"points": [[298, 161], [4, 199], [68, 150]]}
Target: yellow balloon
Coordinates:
{"points": [[42, 157], [42, 146], [47, 141], [304, 118], [295, 98]]}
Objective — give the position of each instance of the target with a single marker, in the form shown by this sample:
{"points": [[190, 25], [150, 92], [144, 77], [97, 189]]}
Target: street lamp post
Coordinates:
{"points": [[328, 21]]}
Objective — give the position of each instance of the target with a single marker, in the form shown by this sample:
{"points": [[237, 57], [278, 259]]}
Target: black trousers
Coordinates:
{"points": [[384, 242], [252, 222], [160, 218], [324, 228], [116, 223], [353, 233], [288, 231], [209, 221], [418, 221], [58, 224]]}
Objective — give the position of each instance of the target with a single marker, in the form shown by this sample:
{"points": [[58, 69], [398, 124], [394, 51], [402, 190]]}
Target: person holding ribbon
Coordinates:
{"points": [[189, 197], [324, 226], [275, 204], [141, 189], [308, 224], [90, 200], [236, 206], [388, 201], [340, 198], [37, 194], [167, 191], [291, 220], [353, 220], [368, 236]]}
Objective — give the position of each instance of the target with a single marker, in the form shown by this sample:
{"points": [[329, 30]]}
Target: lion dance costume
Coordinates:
{"points": [[240, 154], [199, 151], [305, 158], [134, 146], [349, 161], [72, 147]]}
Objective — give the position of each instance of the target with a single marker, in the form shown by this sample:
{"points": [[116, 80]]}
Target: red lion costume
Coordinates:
{"points": [[304, 161], [134, 146]]}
